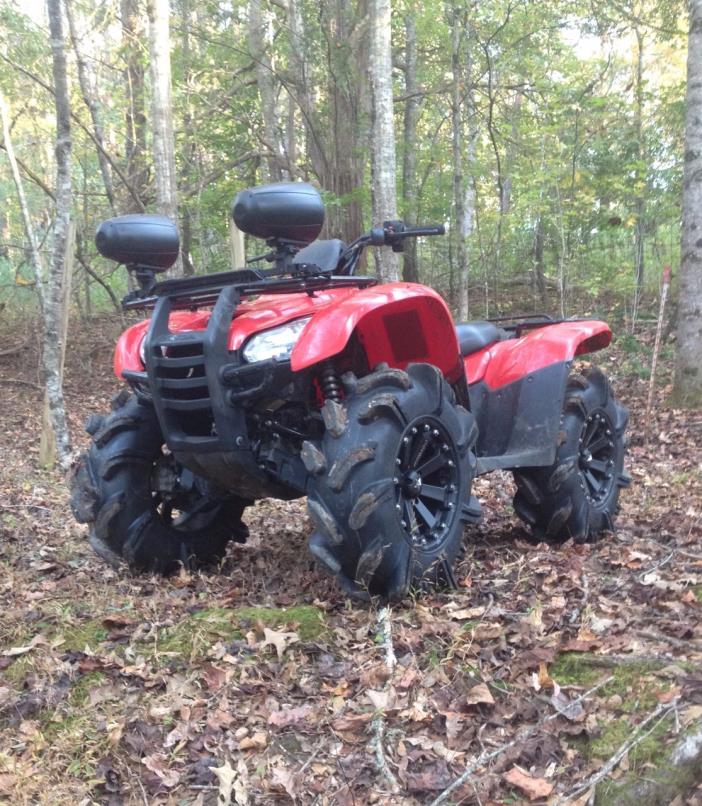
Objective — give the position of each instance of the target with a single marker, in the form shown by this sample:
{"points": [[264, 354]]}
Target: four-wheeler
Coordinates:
{"points": [[306, 379]]}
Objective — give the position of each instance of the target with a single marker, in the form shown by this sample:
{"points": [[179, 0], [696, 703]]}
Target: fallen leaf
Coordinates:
{"points": [[434, 777], [14, 651], [284, 779], [226, 776], [466, 614], [158, 764], [480, 694], [570, 709], [256, 742], [533, 788], [289, 716], [280, 640]]}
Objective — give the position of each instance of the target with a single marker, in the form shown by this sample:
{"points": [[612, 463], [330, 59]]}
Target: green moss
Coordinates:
{"points": [[90, 633], [615, 733], [697, 590], [194, 634], [307, 620], [663, 780], [631, 680], [80, 690], [16, 672], [575, 669]]}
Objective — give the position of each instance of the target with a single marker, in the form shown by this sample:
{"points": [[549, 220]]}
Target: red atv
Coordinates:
{"points": [[305, 379]]}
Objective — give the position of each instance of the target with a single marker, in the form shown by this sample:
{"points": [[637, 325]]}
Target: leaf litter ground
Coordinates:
{"points": [[263, 684]]}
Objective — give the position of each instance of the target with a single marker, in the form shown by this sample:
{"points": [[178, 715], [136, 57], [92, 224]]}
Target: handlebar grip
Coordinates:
{"points": [[415, 232], [432, 229]]}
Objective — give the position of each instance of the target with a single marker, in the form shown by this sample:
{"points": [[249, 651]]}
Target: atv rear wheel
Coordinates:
{"points": [[391, 481], [578, 495], [142, 506]]}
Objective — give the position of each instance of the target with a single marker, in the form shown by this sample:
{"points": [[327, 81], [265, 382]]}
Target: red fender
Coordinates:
{"points": [[397, 323], [126, 354], [507, 361], [253, 316]]}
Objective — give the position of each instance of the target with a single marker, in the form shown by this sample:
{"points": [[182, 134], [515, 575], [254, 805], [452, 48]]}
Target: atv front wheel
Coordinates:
{"points": [[577, 496], [391, 481], [142, 506]]}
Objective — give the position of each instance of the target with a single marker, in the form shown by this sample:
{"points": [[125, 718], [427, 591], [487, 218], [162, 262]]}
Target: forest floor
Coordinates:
{"points": [[263, 684]]}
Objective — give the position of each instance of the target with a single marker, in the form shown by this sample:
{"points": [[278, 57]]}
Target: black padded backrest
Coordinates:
{"points": [[325, 254], [473, 336]]}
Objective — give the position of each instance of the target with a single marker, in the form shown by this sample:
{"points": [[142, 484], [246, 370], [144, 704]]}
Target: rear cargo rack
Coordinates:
{"points": [[520, 324]]}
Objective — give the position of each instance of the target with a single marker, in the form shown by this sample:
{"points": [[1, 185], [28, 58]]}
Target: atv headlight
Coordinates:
{"points": [[278, 342]]}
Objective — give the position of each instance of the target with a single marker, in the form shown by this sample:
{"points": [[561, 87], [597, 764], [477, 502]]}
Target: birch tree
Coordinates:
{"points": [[53, 285], [383, 188], [688, 376], [162, 114], [135, 113], [410, 271], [463, 153]]}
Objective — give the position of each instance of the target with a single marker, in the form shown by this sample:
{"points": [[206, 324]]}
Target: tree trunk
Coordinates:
{"points": [[162, 115], [688, 375], [190, 169], [463, 152], [92, 105], [53, 339], [135, 115], [639, 181], [259, 24], [34, 254], [383, 166], [538, 260], [337, 139], [410, 271]]}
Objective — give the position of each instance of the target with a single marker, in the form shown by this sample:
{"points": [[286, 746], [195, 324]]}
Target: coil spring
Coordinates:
{"points": [[330, 383]]}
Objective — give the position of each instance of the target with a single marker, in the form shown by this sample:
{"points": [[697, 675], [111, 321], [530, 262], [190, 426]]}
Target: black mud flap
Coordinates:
{"points": [[518, 423]]}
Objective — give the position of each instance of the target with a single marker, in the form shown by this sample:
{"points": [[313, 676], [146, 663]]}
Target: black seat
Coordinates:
{"points": [[473, 336], [325, 254]]}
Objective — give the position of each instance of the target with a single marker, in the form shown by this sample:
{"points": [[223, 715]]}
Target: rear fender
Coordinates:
{"points": [[507, 361], [517, 389], [397, 323]]}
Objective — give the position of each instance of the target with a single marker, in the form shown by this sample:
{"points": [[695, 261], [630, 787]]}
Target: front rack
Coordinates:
{"points": [[188, 293]]}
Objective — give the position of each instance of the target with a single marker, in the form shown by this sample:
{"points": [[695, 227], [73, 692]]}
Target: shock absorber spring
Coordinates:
{"points": [[330, 383]]}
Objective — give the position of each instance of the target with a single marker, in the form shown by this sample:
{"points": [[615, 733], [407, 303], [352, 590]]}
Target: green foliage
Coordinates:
{"points": [[554, 116]]}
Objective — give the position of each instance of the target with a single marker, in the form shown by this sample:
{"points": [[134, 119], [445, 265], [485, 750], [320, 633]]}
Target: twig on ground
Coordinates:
{"points": [[663, 562], [686, 644], [20, 382], [486, 757], [663, 710], [378, 724], [16, 349]]}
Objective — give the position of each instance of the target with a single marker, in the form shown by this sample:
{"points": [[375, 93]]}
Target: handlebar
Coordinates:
{"points": [[392, 233]]}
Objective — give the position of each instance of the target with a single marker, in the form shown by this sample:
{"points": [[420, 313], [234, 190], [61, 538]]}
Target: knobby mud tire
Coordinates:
{"points": [[112, 490], [557, 502], [355, 500]]}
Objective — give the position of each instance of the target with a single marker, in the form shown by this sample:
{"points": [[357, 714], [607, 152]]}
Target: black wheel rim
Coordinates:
{"points": [[596, 454], [426, 483]]}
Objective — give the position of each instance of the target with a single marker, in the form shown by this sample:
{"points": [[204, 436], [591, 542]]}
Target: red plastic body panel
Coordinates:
{"points": [[397, 323], [507, 361]]}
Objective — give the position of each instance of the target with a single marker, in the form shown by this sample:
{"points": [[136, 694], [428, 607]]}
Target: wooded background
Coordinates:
{"points": [[548, 136]]}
